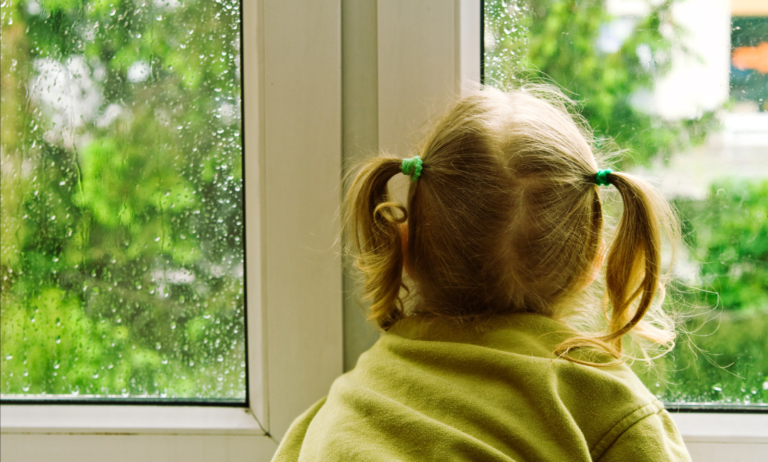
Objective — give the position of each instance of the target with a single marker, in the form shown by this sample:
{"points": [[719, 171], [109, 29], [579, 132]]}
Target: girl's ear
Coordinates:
{"points": [[404, 242]]}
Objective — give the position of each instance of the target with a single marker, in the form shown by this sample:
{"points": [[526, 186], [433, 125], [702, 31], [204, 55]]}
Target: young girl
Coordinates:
{"points": [[480, 285]]}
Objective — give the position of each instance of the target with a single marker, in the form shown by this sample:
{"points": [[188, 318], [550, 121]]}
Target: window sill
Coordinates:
{"points": [[699, 427], [127, 420]]}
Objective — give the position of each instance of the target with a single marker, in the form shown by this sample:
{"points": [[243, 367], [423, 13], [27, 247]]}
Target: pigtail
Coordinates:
{"points": [[372, 221], [633, 266], [633, 271]]}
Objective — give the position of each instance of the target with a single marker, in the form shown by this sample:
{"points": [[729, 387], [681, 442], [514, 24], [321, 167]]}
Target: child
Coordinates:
{"points": [[479, 284]]}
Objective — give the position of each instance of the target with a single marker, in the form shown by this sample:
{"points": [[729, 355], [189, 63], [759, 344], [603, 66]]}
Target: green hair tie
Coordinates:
{"points": [[602, 177], [412, 167]]}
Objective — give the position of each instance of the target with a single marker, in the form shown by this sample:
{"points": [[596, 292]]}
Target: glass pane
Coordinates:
{"points": [[685, 90], [122, 200]]}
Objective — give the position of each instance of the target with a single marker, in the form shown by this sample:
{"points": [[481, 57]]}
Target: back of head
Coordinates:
{"points": [[506, 217]]}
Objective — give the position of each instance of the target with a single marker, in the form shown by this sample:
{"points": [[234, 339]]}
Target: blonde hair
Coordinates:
{"points": [[506, 217]]}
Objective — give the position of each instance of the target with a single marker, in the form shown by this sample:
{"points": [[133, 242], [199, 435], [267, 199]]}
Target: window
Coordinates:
{"points": [[122, 202], [293, 275], [656, 80], [292, 77]]}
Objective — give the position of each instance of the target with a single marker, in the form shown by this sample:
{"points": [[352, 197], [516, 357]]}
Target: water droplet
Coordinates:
{"points": [[220, 358], [9, 357], [95, 376], [717, 389]]}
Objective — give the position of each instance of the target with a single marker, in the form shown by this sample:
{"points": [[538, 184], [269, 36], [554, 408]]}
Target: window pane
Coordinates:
{"points": [[122, 200], [685, 90]]}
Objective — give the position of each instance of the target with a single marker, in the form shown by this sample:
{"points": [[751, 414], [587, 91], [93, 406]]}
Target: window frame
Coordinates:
{"points": [[291, 67]]}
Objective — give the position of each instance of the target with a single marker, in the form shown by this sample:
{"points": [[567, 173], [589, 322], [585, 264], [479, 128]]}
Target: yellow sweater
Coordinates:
{"points": [[429, 391]]}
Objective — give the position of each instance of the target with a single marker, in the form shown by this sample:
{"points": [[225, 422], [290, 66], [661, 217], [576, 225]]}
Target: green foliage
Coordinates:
{"points": [[728, 233], [121, 233], [721, 353], [721, 359]]}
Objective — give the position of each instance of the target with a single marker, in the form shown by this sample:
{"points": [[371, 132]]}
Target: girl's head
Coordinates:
{"points": [[506, 217]]}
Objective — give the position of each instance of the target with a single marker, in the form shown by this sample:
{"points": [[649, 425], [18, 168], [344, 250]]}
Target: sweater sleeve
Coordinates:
{"points": [[653, 438]]}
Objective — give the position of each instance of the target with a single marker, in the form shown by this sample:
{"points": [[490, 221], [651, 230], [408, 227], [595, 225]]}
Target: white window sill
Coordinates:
{"points": [[699, 427], [93, 419], [98, 419]]}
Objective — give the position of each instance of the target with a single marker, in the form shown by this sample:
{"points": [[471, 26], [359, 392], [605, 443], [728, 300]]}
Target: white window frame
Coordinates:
{"points": [[292, 136], [292, 64]]}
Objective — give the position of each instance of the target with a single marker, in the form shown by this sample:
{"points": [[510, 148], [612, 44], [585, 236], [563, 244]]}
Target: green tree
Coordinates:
{"points": [[122, 194], [728, 233]]}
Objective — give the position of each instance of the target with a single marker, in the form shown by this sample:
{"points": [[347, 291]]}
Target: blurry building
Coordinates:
{"points": [[722, 62]]}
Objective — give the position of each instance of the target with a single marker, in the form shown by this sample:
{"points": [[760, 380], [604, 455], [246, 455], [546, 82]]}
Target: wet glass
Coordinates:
{"points": [[684, 90], [121, 248]]}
